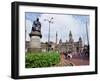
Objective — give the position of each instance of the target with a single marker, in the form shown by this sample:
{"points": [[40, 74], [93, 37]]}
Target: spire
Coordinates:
{"points": [[70, 33], [70, 37]]}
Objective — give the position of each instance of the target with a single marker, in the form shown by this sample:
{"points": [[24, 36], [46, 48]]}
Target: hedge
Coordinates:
{"points": [[42, 59]]}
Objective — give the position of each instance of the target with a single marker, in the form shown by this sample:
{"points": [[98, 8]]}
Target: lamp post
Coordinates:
{"points": [[87, 50], [50, 22], [87, 34]]}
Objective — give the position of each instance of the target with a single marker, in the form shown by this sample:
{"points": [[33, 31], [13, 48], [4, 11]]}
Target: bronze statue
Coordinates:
{"points": [[36, 28], [36, 25]]}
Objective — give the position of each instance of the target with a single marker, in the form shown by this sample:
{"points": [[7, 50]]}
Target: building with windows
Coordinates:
{"points": [[68, 46]]}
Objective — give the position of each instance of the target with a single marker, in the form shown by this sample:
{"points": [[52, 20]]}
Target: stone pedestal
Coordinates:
{"points": [[35, 44]]}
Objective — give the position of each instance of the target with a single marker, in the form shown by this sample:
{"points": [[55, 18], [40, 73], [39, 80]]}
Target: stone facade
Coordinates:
{"points": [[71, 46], [68, 46]]}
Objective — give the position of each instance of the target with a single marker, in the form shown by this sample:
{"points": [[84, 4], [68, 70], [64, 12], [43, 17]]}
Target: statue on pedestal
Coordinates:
{"points": [[35, 35]]}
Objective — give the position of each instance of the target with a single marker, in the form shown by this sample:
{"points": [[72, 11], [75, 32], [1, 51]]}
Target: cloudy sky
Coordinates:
{"points": [[62, 24]]}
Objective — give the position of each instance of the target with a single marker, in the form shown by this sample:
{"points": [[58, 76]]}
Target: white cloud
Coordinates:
{"points": [[28, 29], [62, 24]]}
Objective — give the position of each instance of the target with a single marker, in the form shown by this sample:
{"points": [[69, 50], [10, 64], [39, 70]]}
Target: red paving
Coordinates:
{"points": [[79, 62], [76, 60]]}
